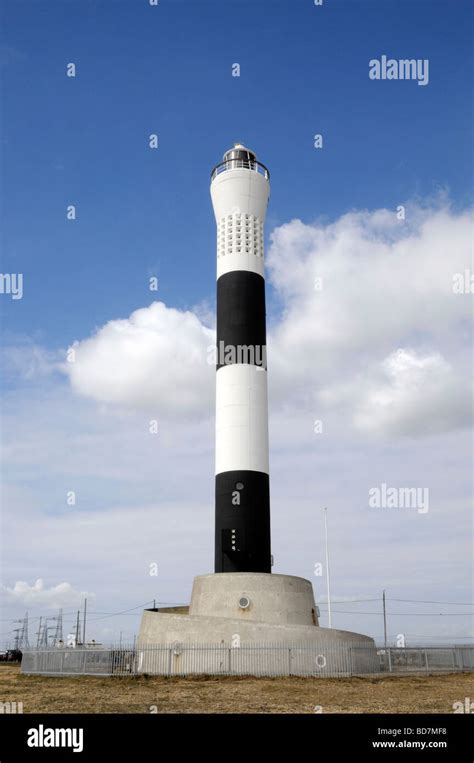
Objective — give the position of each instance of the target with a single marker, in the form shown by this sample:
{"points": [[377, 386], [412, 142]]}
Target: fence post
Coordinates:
{"points": [[389, 660], [170, 657], [426, 660], [289, 660]]}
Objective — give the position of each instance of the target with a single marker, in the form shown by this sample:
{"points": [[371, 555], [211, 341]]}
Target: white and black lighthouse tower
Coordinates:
{"points": [[241, 603], [240, 190]]}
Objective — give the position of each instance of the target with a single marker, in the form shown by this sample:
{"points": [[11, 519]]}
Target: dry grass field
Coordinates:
{"points": [[375, 694]]}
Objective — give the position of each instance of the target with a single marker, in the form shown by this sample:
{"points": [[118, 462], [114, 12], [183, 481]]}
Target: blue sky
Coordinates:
{"points": [[167, 69], [382, 355]]}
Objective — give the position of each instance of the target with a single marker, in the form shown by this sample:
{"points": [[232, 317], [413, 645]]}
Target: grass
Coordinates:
{"points": [[228, 694]]}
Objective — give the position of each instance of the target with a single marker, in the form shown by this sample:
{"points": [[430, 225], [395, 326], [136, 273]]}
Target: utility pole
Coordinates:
{"points": [[22, 637], [39, 633], [44, 633], [327, 566], [58, 635], [78, 629], [84, 623], [384, 621], [24, 640]]}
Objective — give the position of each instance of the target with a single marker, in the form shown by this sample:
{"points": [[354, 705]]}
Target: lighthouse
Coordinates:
{"points": [[243, 604], [240, 189]]}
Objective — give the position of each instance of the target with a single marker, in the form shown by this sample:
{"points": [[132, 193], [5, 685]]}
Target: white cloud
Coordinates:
{"points": [[333, 354], [156, 360], [143, 499], [61, 595], [28, 361], [407, 394], [385, 284]]}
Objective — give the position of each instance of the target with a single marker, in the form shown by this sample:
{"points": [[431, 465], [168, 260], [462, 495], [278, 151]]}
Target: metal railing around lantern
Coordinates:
{"points": [[241, 164]]}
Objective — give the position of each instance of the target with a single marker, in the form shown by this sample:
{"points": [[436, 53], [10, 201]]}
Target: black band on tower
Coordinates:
{"points": [[242, 522], [241, 315]]}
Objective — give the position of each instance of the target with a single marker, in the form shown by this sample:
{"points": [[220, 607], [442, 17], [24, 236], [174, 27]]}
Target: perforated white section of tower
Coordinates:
{"points": [[239, 234]]}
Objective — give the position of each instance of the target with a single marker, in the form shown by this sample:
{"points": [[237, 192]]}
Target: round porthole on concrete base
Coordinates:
{"points": [[244, 602]]}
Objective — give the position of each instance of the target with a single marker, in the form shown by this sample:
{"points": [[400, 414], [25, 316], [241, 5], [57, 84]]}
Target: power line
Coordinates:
{"points": [[403, 614], [114, 614], [452, 603], [352, 601], [104, 615], [37, 617], [445, 639], [98, 612]]}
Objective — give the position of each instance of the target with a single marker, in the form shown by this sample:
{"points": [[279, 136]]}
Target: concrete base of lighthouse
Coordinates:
{"points": [[243, 613]]}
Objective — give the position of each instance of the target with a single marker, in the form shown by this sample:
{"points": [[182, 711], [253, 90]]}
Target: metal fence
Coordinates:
{"points": [[427, 659], [311, 660]]}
